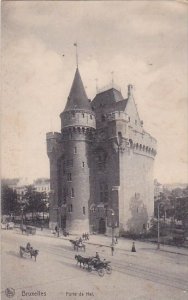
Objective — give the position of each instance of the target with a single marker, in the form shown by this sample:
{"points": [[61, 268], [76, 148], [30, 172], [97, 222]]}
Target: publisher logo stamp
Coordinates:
{"points": [[10, 292]]}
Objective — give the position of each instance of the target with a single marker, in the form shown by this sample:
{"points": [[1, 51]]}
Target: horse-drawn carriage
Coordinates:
{"points": [[78, 245], [28, 252], [28, 229], [94, 264]]}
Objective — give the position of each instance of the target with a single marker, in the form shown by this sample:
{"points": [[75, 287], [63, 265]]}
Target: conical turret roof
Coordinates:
{"points": [[77, 97]]}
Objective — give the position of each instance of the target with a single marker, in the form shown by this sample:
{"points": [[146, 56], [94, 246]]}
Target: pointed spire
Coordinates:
{"points": [[77, 97]]}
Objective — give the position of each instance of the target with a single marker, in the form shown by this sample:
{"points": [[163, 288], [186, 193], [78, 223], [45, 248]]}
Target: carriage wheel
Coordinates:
{"points": [[101, 272], [109, 270], [89, 268]]}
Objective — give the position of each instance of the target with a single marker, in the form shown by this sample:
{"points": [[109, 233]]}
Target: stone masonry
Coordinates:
{"points": [[101, 164]]}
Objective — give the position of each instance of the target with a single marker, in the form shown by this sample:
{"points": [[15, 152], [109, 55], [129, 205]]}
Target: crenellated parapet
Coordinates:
{"points": [[77, 118], [146, 147], [54, 144], [78, 133], [117, 116]]}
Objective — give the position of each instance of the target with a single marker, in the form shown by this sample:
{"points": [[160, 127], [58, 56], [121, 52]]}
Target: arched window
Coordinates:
{"points": [[84, 210], [101, 158], [72, 192], [69, 177], [103, 118], [103, 192]]}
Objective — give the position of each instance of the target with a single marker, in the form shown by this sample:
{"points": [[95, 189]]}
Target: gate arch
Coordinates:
{"points": [[102, 226]]}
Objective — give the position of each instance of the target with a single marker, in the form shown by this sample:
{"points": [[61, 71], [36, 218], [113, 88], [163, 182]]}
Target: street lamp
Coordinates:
{"points": [[112, 222], [158, 225], [112, 214], [22, 218], [59, 211]]}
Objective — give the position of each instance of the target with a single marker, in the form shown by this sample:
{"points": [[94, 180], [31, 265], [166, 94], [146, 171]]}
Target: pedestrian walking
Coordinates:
{"points": [[112, 250], [97, 256], [133, 247]]}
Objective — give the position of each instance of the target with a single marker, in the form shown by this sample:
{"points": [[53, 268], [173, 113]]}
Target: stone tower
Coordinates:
{"points": [[101, 164], [69, 161]]}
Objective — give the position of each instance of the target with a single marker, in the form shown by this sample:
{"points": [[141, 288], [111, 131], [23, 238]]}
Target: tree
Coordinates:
{"points": [[35, 201], [9, 202]]}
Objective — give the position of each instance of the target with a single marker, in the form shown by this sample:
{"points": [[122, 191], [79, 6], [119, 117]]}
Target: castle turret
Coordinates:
{"points": [[77, 127]]}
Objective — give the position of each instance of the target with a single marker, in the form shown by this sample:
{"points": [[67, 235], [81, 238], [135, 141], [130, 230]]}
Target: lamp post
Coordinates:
{"points": [[158, 225], [112, 214], [22, 218], [59, 211], [112, 222]]}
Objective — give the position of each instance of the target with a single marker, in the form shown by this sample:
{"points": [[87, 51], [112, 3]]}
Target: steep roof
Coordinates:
{"points": [[110, 100], [77, 97], [111, 94]]}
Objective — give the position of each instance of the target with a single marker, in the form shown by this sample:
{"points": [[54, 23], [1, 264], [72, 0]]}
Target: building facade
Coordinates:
{"points": [[42, 185], [101, 164]]}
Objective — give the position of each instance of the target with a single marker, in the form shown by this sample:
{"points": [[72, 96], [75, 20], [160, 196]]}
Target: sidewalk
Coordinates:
{"points": [[123, 244]]}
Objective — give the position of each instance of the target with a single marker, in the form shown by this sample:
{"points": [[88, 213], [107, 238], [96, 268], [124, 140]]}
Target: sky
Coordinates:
{"points": [[144, 43]]}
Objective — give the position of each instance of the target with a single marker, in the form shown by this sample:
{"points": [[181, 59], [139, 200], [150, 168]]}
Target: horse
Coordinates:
{"points": [[82, 260], [82, 246], [32, 252], [77, 245], [74, 243]]}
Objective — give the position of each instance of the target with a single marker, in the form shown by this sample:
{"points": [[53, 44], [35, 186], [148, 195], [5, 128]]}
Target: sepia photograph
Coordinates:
{"points": [[94, 150]]}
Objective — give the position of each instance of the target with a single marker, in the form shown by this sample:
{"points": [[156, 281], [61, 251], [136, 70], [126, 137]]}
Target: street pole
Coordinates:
{"points": [[22, 219], [158, 227], [112, 234], [59, 218], [58, 221], [112, 228]]}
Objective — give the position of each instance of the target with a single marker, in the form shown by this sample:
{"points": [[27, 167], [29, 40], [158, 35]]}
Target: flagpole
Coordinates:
{"points": [[76, 45], [112, 78]]}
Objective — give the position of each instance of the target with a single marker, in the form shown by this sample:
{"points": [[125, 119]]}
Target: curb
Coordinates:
{"points": [[102, 245]]}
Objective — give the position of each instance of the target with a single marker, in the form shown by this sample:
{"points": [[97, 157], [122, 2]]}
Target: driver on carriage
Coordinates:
{"points": [[80, 241], [28, 247], [97, 257]]}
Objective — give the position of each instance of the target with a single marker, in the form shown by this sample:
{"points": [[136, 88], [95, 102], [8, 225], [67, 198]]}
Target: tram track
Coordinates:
{"points": [[131, 269]]}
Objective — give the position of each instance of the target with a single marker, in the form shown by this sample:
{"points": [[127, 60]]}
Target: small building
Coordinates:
{"points": [[42, 185]]}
